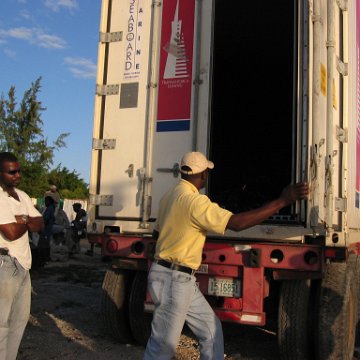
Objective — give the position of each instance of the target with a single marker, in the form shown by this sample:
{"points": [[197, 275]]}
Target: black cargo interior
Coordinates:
{"points": [[253, 102]]}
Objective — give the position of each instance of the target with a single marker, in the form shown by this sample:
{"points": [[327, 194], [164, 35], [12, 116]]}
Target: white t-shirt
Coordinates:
{"points": [[9, 207]]}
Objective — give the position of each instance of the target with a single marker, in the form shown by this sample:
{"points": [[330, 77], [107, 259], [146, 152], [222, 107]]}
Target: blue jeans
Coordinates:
{"points": [[15, 297], [177, 300]]}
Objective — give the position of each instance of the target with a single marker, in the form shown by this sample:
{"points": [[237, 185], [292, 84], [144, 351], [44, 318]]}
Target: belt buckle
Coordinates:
{"points": [[190, 273]]}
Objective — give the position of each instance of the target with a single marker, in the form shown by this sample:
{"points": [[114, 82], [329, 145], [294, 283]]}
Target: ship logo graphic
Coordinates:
{"points": [[176, 63]]}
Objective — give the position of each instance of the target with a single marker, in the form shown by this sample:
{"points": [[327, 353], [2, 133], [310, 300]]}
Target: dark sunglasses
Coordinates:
{"points": [[13, 172]]}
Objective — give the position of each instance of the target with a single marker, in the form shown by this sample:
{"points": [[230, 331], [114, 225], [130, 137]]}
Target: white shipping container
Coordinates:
{"points": [[270, 92], [271, 96]]}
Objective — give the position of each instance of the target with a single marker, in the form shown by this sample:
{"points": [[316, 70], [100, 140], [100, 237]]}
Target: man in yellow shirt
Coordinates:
{"points": [[184, 218]]}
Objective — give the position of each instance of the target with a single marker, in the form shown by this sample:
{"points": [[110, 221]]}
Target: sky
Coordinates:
{"points": [[56, 40]]}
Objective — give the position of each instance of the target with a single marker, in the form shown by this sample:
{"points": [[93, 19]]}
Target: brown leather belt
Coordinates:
{"points": [[4, 251], [176, 267]]}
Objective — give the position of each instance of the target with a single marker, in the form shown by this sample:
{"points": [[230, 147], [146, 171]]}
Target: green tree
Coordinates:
{"points": [[21, 133], [69, 183]]}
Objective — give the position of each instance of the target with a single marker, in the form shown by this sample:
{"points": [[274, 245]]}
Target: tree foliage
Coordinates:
{"points": [[22, 134], [70, 184]]}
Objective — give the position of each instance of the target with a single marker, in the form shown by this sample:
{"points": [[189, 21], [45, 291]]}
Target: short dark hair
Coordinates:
{"points": [[49, 199], [7, 157], [190, 177]]}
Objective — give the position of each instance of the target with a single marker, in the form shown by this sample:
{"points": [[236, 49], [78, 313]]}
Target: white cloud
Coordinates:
{"points": [[50, 41], [25, 15], [81, 68], [56, 5], [34, 36], [10, 53], [21, 33]]}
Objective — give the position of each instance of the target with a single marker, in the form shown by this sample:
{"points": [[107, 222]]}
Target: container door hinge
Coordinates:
{"points": [[340, 204], [104, 144], [104, 90], [101, 200], [156, 4], [341, 134], [342, 4], [342, 67], [197, 81], [316, 18], [108, 37], [152, 85]]}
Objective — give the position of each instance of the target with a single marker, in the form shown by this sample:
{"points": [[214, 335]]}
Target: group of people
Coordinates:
{"points": [[58, 231], [185, 216]]}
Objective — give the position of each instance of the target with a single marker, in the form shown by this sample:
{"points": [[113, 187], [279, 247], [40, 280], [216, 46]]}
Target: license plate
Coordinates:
{"points": [[224, 287]]}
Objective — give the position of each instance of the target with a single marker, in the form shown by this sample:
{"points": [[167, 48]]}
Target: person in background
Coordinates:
{"points": [[78, 224], [54, 194], [61, 237], [184, 218], [62, 228], [18, 216], [81, 215], [45, 240]]}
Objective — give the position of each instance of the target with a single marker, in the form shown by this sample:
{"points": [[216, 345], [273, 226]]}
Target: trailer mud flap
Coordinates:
{"points": [[131, 264]]}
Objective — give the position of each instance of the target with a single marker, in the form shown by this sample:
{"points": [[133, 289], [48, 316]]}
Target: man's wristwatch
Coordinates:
{"points": [[25, 218]]}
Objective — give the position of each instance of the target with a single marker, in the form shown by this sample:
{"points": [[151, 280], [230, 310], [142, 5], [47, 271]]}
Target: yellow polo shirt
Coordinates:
{"points": [[184, 217]]}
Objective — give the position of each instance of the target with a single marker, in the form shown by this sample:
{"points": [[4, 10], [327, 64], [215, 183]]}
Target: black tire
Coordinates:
{"points": [[140, 321], [293, 324], [115, 304], [354, 262], [338, 313]]}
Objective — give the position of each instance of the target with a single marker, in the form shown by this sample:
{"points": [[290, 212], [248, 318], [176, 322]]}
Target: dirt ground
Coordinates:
{"points": [[65, 321]]}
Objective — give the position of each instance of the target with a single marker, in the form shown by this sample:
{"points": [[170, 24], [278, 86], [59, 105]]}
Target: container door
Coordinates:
{"points": [[121, 103], [175, 119], [142, 130], [183, 89]]}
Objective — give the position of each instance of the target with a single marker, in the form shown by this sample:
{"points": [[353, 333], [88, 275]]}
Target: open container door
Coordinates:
{"points": [[144, 119], [121, 113], [175, 121]]}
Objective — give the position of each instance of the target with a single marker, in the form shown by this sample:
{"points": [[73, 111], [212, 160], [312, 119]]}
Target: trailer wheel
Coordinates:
{"points": [[354, 262], [115, 304], [293, 320], [140, 321], [338, 312]]}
